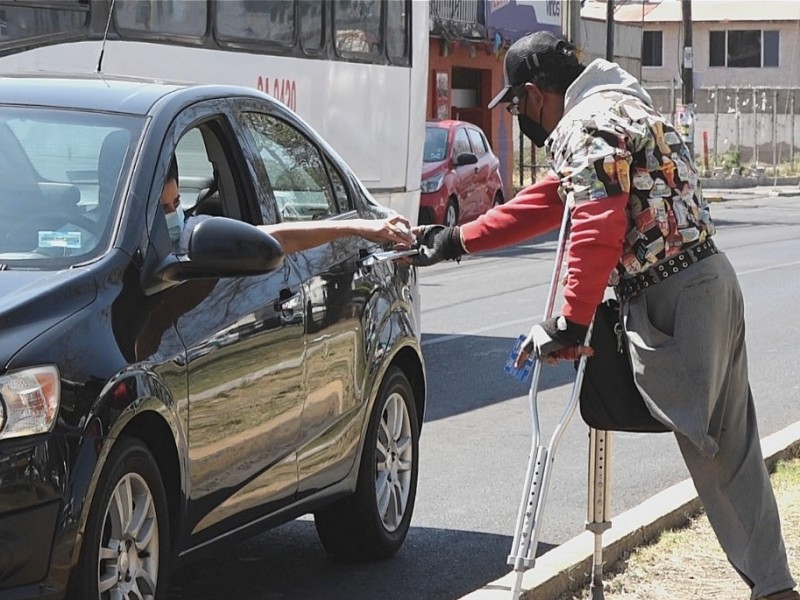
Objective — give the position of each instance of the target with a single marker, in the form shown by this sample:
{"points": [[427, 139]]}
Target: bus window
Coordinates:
{"points": [[21, 22], [172, 17], [295, 169], [397, 32], [270, 21], [311, 25], [357, 28]]}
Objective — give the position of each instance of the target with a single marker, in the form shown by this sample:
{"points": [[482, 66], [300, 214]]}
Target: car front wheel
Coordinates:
{"points": [[451, 213], [373, 522], [126, 547]]}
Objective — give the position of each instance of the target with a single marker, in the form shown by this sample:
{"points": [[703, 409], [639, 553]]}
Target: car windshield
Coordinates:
{"points": [[435, 144], [59, 175]]}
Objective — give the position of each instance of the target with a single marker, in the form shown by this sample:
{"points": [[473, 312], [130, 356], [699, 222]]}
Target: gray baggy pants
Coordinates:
{"points": [[687, 341]]}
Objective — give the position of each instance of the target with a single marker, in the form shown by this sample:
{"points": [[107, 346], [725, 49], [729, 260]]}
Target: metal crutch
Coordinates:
{"points": [[540, 460], [599, 513]]}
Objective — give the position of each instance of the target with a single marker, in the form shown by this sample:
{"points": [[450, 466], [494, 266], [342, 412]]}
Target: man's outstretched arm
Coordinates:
{"points": [[535, 210]]}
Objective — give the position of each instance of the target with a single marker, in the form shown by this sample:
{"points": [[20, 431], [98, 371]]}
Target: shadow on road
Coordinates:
{"points": [[289, 562], [466, 373]]}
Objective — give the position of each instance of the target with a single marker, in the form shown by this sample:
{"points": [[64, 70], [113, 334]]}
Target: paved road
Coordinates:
{"points": [[477, 434]]}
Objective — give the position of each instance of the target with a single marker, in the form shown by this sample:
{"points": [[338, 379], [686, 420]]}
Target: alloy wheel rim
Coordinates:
{"points": [[128, 559], [450, 216], [395, 453]]}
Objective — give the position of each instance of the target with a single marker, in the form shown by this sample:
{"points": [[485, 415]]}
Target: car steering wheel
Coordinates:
{"points": [[64, 217]]}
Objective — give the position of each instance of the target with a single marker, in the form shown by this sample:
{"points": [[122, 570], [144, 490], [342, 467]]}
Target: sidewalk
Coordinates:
{"points": [[720, 194], [567, 567]]}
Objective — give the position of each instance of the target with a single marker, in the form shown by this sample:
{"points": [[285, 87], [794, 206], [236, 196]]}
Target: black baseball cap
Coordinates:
{"points": [[536, 53]]}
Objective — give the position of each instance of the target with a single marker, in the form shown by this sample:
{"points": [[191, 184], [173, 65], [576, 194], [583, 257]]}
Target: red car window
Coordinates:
{"points": [[478, 143], [461, 143]]}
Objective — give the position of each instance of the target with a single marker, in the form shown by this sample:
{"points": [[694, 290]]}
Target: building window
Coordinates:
{"points": [[652, 49], [744, 49], [716, 51], [771, 42]]}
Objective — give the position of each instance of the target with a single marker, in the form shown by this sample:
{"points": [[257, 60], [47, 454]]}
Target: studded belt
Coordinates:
{"points": [[629, 287]]}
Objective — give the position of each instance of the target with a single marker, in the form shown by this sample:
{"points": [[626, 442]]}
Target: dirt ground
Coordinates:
{"points": [[688, 564]]}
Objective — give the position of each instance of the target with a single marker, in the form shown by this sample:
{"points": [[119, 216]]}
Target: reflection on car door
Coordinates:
{"points": [[245, 344], [466, 176], [307, 186], [483, 194]]}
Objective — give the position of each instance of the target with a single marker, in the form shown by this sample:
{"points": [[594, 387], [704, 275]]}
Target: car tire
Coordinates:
{"points": [[372, 523], [127, 530], [451, 213]]}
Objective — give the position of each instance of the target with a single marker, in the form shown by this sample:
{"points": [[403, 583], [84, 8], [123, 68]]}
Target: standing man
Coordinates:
{"points": [[639, 223]]}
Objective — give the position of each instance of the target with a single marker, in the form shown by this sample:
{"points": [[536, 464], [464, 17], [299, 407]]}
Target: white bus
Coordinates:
{"points": [[355, 70]]}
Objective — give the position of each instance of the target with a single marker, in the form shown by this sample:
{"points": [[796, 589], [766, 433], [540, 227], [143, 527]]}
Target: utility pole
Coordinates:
{"points": [[687, 74], [610, 30], [571, 21]]}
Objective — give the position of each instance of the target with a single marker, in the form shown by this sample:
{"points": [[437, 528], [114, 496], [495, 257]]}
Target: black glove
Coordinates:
{"points": [[438, 243], [552, 335]]}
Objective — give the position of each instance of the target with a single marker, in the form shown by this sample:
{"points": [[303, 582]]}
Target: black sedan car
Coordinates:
{"points": [[156, 399]]}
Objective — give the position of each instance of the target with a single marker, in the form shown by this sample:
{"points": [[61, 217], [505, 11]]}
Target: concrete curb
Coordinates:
{"points": [[729, 195], [568, 566]]}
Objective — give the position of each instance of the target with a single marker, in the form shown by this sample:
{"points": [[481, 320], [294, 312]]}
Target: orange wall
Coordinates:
{"points": [[497, 123]]}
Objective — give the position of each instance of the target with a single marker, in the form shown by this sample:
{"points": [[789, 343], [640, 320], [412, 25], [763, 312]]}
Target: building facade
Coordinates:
{"points": [[468, 41], [746, 66]]}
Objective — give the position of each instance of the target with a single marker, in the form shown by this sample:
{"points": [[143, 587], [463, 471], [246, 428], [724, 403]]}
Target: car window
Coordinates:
{"points": [[295, 169], [339, 188], [196, 171], [477, 141], [60, 174], [461, 143], [207, 178], [435, 144]]}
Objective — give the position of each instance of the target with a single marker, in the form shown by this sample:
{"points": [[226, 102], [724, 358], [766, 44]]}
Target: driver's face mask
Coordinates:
{"points": [[175, 221]]}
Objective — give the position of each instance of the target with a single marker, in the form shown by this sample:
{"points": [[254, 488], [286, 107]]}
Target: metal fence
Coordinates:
{"points": [[738, 131], [462, 11], [751, 129]]}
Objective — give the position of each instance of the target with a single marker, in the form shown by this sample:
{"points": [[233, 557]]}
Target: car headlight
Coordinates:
{"points": [[434, 184], [29, 401]]}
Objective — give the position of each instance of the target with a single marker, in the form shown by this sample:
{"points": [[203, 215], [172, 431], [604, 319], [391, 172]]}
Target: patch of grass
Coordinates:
{"points": [[688, 564]]}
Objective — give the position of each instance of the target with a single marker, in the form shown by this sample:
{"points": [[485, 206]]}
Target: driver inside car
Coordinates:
{"points": [[293, 236]]}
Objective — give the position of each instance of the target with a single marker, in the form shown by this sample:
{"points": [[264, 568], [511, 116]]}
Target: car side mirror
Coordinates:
{"points": [[466, 158], [221, 247]]}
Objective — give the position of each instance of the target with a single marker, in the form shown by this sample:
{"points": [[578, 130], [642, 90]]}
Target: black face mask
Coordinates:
{"points": [[532, 130]]}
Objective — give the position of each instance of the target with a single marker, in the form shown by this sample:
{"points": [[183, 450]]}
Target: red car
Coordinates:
{"points": [[460, 174]]}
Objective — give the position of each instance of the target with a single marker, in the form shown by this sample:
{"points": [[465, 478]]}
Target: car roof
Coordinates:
{"points": [[450, 123], [100, 92]]}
